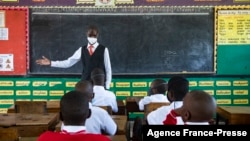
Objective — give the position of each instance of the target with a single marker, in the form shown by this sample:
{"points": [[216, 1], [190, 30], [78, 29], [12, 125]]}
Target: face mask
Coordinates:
{"points": [[92, 40]]}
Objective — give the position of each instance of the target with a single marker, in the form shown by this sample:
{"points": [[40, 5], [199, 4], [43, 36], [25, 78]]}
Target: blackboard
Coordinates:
{"points": [[139, 41]]}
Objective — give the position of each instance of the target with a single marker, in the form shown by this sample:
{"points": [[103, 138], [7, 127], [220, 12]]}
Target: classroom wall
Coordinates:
{"points": [[226, 90], [229, 84]]}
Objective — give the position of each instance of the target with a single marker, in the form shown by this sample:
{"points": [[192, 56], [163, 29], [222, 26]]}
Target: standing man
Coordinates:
{"points": [[93, 55]]}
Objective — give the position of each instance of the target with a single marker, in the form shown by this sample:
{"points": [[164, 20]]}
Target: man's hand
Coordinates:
{"points": [[43, 61]]}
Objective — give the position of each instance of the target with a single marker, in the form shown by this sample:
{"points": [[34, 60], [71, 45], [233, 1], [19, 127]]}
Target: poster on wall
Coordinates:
{"points": [[233, 27], [233, 40], [14, 40], [6, 62], [2, 19], [4, 34]]}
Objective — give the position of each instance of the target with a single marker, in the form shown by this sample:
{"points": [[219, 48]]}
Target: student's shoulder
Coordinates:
{"points": [[147, 97], [48, 135], [162, 109], [98, 110], [56, 136], [110, 94]]}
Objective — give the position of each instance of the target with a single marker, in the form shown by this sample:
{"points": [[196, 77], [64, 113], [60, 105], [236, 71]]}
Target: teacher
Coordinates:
{"points": [[93, 55]]}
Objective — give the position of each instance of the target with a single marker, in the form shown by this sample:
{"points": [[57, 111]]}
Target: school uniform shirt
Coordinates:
{"points": [[104, 97], [196, 123], [173, 119], [157, 116], [152, 98], [99, 121], [71, 133], [76, 57]]}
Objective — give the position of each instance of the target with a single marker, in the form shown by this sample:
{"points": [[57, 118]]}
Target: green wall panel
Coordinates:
{"points": [[233, 59], [226, 90]]}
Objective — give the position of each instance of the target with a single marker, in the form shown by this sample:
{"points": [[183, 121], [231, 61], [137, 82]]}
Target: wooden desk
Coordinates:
{"points": [[233, 114], [121, 121], [118, 138], [29, 125], [132, 106], [121, 108], [7, 120], [52, 107]]}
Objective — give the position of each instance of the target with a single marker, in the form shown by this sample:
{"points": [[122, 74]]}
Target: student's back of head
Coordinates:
{"points": [[198, 106], [178, 87], [158, 86], [86, 87], [98, 76], [74, 108]]}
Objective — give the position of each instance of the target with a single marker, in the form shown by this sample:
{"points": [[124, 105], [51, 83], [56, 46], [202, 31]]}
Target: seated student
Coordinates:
{"points": [[198, 109], [99, 121], [157, 93], [102, 96], [178, 87], [74, 110]]}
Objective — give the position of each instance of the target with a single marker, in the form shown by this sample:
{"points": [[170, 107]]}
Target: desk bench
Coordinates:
{"points": [[233, 114]]}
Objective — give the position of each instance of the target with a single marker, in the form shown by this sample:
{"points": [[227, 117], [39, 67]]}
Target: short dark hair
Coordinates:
{"points": [[91, 29], [160, 85], [178, 86], [74, 108], [203, 105], [98, 76], [85, 86]]}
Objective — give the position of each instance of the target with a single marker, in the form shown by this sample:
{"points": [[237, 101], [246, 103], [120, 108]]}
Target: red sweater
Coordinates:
{"points": [[58, 136]]}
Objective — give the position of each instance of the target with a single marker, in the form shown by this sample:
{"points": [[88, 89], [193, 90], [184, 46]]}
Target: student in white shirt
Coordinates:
{"points": [[198, 109], [157, 93], [102, 97], [178, 87], [74, 110], [99, 120]]}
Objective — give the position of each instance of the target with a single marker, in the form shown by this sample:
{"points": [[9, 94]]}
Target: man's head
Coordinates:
{"points": [[158, 86], [178, 87], [85, 87], [92, 34], [74, 108], [198, 106], [98, 76]]}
